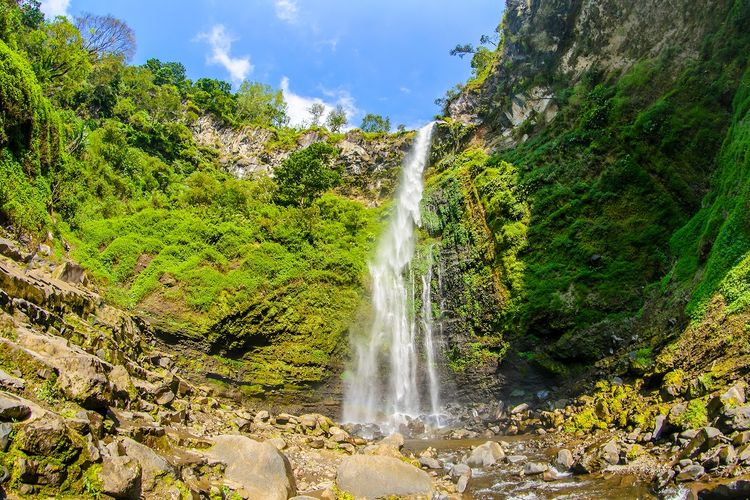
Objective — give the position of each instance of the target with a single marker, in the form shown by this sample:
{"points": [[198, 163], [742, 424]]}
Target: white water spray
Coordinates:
{"points": [[393, 337], [429, 342]]}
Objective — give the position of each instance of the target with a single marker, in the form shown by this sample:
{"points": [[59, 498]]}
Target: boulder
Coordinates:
{"points": [[153, 466], [5, 430], [84, 379], [459, 470], [48, 437], [485, 455], [10, 382], [564, 460], [121, 478], [374, 477], [659, 423], [10, 409], [737, 419], [261, 469], [706, 438], [534, 468], [611, 453], [430, 463], [690, 473]]}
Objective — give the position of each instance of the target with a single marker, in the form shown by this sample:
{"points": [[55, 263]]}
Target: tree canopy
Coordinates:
{"points": [[306, 174]]}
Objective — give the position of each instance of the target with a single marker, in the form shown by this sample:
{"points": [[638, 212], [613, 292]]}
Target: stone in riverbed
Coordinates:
{"points": [[371, 477], [534, 468], [737, 419], [516, 459], [690, 473], [462, 483], [459, 470], [485, 455], [430, 463], [564, 459]]}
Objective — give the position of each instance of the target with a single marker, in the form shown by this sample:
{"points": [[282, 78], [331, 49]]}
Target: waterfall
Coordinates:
{"points": [[391, 350], [429, 343]]}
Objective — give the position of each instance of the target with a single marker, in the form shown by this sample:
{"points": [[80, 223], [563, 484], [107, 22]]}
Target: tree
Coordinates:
{"points": [[106, 35], [337, 119], [306, 174], [31, 13], [58, 57], [260, 104], [461, 50], [167, 73], [375, 123], [316, 111]]}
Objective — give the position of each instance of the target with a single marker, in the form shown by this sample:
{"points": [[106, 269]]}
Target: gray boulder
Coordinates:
{"points": [[11, 409], [371, 477], [261, 469], [121, 478], [534, 468], [564, 460], [153, 466], [485, 455]]}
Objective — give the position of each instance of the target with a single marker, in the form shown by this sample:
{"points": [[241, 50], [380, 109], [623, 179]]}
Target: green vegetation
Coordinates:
{"points": [[599, 206], [268, 272], [375, 123]]}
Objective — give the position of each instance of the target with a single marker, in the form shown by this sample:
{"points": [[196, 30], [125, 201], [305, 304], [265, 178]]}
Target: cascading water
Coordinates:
{"points": [[393, 338], [429, 342]]}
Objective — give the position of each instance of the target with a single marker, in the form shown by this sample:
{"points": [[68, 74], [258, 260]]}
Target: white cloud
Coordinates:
{"points": [[221, 47], [405, 90], [298, 106], [286, 10], [54, 8]]}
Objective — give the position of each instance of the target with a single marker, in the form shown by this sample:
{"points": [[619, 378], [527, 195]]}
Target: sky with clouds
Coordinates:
{"points": [[388, 57]]}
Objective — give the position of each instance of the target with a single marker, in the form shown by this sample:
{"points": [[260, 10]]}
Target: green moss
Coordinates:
{"points": [[695, 415]]}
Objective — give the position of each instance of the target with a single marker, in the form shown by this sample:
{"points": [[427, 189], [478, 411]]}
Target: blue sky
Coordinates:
{"points": [[373, 56]]}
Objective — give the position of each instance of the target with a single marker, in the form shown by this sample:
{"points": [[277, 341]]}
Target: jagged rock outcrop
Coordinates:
{"points": [[370, 165], [548, 42]]}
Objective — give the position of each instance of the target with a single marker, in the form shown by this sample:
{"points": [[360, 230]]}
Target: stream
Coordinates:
{"points": [[506, 481]]}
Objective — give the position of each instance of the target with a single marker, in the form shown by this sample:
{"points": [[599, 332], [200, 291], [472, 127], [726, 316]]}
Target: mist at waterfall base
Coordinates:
{"points": [[382, 385]]}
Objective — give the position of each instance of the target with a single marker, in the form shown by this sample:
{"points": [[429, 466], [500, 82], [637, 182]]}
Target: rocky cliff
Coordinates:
{"points": [[576, 186], [370, 163]]}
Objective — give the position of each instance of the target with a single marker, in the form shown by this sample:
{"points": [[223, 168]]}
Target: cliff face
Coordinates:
{"points": [[369, 162], [547, 44], [588, 156]]}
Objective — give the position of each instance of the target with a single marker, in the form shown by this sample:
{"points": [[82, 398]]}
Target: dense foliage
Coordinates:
{"points": [[635, 193], [101, 154]]}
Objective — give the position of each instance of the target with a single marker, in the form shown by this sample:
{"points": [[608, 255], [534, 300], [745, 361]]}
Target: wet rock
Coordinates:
{"points": [[743, 453], [11, 409], [70, 272], [316, 443], [121, 478], [534, 468], [261, 469], [463, 483], [727, 455], [733, 490], [375, 477], [516, 459], [690, 473], [485, 455], [430, 463], [9, 249], [262, 417], [43, 473], [459, 470], [5, 430], [564, 460], [308, 421]]}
